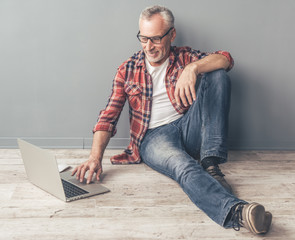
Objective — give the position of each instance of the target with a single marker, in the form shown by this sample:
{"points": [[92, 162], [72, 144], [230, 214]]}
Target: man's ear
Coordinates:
{"points": [[173, 32]]}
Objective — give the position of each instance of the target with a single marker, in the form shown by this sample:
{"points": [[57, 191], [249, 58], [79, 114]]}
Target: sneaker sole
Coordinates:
{"points": [[255, 213]]}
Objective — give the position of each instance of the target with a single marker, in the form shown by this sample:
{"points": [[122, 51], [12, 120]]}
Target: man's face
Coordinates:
{"points": [[156, 54]]}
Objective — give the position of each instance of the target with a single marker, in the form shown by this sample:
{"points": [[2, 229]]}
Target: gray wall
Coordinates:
{"points": [[58, 59]]}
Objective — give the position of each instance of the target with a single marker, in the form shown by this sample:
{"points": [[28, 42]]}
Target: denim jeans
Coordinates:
{"points": [[174, 149]]}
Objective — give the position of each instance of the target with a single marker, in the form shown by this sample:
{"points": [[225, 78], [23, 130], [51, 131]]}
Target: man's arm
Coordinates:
{"points": [[185, 92], [93, 164], [104, 129]]}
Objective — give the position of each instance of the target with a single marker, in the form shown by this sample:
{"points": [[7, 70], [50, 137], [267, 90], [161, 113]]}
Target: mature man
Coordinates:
{"points": [[177, 127]]}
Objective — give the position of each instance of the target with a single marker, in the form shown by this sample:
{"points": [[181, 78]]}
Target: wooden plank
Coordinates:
{"points": [[143, 204]]}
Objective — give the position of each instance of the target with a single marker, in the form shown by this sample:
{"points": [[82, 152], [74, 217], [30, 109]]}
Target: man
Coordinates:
{"points": [[177, 127]]}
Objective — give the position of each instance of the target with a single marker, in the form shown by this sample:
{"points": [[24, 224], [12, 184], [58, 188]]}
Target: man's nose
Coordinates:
{"points": [[149, 45]]}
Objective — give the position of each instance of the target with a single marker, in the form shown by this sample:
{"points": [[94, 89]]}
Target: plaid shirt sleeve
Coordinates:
{"points": [[108, 117], [229, 58]]}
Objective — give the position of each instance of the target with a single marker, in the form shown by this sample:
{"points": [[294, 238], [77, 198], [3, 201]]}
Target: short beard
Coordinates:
{"points": [[154, 60]]}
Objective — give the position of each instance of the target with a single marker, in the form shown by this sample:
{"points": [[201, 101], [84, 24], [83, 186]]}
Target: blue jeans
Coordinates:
{"points": [[174, 149]]}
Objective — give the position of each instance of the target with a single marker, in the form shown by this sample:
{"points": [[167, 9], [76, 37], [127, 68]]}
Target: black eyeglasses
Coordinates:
{"points": [[156, 39]]}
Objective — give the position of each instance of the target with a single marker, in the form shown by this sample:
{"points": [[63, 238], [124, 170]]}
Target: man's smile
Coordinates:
{"points": [[152, 53]]}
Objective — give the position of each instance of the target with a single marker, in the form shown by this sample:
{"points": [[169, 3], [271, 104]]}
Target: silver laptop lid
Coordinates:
{"points": [[41, 169]]}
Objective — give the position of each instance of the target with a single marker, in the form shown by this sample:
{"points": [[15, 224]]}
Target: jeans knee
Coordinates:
{"points": [[219, 79]]}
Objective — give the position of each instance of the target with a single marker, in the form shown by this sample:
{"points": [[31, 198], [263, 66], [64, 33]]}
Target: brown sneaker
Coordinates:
{"points": [[216, 173], [253, 217]]}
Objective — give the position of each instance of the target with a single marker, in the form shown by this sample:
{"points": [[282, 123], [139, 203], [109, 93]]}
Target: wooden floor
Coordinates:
{"points": [[142, 203]]}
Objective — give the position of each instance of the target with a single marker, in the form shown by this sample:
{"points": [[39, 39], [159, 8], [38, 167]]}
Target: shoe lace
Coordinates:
{"points": [[236, 218], [215, 171]]}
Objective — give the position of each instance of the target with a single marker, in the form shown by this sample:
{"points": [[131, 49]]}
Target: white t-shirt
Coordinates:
{"points": [[162, 110]]}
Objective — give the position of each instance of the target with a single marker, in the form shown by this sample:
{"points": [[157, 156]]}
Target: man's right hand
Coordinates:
{"points": [[92, 165]]}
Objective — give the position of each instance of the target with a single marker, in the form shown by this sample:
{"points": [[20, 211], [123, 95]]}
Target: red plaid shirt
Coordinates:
{"points": [[133, 82]]}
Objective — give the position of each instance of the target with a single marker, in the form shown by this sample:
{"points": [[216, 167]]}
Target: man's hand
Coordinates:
{"points": [[93, 165], [185, 91]]}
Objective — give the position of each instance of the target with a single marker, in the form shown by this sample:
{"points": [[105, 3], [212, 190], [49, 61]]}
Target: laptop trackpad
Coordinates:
{"points": [[68, 177]]}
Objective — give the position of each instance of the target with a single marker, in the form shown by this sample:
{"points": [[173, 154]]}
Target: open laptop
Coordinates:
{"points": [[42, 170]]}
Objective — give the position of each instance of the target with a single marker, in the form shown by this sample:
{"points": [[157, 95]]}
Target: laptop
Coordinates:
{"points": [[42, 170]]}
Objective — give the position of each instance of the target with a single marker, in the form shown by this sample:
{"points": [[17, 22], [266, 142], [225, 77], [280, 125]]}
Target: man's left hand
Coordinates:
{"points": [[185, 91]]}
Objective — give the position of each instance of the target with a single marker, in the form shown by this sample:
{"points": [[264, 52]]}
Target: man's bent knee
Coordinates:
{"points": [[218, 77], [217, 74]]}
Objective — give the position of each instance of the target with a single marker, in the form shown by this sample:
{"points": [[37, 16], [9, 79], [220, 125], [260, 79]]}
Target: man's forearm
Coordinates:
{"points": [[185, 92], [99, 144], [209, 63]]}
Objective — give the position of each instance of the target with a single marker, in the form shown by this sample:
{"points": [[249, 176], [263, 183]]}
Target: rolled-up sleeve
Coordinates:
{"points": [[108, 118], [229, 58]]}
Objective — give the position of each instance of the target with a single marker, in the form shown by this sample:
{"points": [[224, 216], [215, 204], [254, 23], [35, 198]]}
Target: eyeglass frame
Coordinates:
{"points": [[151, 38]]}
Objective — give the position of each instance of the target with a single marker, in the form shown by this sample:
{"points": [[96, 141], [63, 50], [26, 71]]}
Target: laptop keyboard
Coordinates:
{"points": [[71, 190]]}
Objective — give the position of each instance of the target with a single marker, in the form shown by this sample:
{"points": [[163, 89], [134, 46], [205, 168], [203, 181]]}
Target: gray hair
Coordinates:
{"points": [[163, 11]]}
